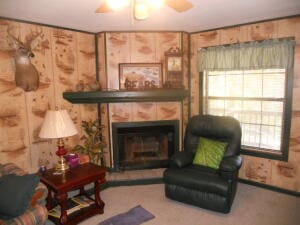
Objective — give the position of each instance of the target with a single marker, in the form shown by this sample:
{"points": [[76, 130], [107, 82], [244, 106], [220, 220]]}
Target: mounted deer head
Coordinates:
{"points": [[26, 75]]}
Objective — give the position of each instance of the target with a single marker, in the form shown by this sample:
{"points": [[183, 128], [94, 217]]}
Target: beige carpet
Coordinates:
{"points": [[252, 206]]}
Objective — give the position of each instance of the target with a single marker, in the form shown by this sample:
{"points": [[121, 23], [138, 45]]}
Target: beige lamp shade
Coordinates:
{"points": [[57, 124]]}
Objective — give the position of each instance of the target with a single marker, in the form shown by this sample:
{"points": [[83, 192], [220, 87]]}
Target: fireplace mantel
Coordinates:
{"points": [[160, 95]]}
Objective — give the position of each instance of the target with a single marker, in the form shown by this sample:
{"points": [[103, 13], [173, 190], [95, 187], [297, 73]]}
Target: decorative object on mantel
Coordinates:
{"points": [[58, 124], [174, 68], [93, 144], [140, 76], [26, 75]]}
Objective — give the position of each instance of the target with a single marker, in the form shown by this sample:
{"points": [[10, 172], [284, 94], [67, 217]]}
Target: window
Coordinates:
{"points": [[257, 98], [253, 83]]}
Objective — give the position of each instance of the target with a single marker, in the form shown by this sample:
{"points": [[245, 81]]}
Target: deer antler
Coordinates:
{"points": [[32, 36], [12, 36]]}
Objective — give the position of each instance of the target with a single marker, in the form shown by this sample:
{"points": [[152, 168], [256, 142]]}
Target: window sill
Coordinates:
{"points": [[266, 154]]}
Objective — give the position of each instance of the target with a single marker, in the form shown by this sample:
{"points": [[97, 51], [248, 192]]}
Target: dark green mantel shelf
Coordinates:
{"points": [[126, 96]]}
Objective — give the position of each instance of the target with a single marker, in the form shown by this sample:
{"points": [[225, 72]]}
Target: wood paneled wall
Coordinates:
{"points": [[62, 58], [276, 173], [137, 47]]}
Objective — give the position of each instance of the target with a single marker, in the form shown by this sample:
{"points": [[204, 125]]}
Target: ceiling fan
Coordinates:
{"points": [[141, 7]]}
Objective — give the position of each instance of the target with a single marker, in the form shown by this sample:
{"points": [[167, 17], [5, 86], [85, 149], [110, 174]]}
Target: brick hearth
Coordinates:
{"points": [[130, 175]]}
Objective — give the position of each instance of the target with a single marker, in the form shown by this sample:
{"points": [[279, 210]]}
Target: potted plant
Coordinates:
{"points": [[92, 142]]}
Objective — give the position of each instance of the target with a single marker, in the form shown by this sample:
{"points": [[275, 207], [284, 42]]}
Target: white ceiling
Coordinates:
{"points": [[206, 14]]}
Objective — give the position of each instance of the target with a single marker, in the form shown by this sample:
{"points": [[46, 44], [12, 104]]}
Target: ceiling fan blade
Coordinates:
{"points": [[179, 5], [103, 8]]}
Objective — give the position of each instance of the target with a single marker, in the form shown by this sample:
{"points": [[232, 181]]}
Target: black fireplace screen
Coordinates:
{"points": [[141, 145]]}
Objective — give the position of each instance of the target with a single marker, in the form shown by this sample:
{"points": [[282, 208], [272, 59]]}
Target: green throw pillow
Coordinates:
{"points": [[15, 194], [209, 153]]}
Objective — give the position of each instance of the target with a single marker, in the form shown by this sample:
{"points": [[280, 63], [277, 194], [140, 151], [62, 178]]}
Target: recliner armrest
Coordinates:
{"points": [[181, 159], [231, 163]]}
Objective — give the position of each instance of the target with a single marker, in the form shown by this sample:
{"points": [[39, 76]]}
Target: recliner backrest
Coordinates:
{"points": [[222, 128]]}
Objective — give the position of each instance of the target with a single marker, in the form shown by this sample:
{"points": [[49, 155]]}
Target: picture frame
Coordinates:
{"points": [[140, 76]]}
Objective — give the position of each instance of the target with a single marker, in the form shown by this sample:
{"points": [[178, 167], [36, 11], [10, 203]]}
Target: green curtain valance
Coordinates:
{"points": [[250, 55]]}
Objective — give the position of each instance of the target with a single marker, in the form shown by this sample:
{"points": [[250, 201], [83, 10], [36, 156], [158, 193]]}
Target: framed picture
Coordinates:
{"points": [[140, 76]]}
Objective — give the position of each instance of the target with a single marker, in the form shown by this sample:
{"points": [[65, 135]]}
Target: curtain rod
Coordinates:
{"points": [[246, 42]]}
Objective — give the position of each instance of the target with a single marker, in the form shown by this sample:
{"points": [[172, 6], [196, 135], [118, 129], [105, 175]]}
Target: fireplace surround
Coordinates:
{"points": [[144, 145]]}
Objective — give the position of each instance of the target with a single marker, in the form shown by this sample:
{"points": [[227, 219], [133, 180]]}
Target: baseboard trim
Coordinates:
{"points": [[270, 187], [159, 180], [117, 183]]}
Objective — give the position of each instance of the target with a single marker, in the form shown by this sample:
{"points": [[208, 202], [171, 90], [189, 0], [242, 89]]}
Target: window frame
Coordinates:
{"points": [[282, 154]]}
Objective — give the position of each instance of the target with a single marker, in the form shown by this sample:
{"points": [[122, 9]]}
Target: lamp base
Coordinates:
{"points": [[62, 165]]}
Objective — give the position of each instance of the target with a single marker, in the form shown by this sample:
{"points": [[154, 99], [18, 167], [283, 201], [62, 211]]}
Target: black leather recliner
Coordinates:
{"points": [[199, 185]]}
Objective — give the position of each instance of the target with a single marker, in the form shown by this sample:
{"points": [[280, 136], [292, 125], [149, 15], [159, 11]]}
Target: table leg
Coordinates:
{"points": [[62, 199], [49, 200], [82, 192], [99, 201]]}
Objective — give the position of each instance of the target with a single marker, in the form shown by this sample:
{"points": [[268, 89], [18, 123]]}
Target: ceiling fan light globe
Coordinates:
{"points": [[156, 4], [141, 11], [116, 5]]}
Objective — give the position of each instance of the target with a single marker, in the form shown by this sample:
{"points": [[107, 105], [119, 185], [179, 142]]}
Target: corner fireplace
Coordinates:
{"points": [[144, 145]]}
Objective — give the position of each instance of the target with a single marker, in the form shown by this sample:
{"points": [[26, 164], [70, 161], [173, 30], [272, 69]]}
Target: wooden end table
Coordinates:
{"points": [[74, 179]]}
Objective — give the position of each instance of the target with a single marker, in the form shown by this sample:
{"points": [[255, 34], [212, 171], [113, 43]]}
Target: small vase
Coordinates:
{"points": [[72, 159]]}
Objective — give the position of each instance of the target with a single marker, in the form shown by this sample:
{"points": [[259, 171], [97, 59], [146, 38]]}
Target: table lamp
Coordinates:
{"points": [[58, 124]]}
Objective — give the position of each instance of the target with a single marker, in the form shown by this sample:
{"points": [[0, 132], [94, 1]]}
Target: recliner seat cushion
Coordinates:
{"points": [[198, 179], [202, 199]]}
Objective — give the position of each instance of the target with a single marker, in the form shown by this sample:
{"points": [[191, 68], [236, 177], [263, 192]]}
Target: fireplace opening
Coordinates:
{"points": [[142, 145]]}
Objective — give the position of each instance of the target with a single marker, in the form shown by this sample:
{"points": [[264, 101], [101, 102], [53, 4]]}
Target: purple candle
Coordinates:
{"points": [[72, 159]]}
